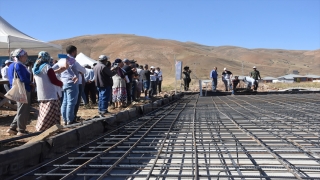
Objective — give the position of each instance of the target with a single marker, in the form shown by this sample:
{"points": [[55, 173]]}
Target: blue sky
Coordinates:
{"points": [[275, 24]]}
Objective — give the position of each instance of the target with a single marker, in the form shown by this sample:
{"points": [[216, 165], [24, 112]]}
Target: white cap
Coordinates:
{"points": [[224, 69], [152, 67], [8, 61], [103, 57], [254, 67]]}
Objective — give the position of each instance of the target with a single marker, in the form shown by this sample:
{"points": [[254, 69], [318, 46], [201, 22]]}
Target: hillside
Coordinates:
{"points": [[200, 58]]}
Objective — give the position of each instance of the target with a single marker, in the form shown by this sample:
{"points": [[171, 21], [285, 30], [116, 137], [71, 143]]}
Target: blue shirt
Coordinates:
{"points": [[22, 72], [89, 75], [214, 74]]}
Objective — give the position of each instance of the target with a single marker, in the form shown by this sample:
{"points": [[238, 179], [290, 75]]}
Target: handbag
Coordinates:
{"points": [[18, 91]]}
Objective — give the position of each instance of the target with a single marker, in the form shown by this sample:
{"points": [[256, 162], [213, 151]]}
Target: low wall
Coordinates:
{"points": [[18, 159]]}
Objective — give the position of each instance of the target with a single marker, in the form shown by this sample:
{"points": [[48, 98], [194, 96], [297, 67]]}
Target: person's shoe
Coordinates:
{"points": [[11, 132], [22, 133], [69, 123]]}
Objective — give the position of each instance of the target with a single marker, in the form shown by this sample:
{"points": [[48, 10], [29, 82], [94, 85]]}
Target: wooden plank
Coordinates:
{"points": [[3, 101], [11, 106], [45, 134]]}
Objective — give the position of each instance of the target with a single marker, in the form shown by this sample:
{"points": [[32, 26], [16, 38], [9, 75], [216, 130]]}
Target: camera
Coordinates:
{"points": [[115, 65]]}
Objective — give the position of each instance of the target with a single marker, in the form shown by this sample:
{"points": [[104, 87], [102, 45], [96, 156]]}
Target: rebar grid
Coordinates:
{"points": [[241, 137]]}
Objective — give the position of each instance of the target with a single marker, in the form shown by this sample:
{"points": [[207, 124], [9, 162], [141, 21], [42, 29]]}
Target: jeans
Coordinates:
{"points": [[70, 98], [227, 84], [78, 100], [214, 84], [104, 98], [83, 96]]}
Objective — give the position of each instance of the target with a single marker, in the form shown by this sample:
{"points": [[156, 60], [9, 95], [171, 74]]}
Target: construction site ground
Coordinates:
{"points": [[213, 137]]}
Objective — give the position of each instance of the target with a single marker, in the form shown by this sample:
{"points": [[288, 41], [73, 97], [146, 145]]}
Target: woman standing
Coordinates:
{"points": [[119, 93], [186, 77], [23, 109], [48, 87]]}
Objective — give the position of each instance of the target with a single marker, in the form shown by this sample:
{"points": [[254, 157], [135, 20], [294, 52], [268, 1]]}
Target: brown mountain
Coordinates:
{"points": [[200, 58]]}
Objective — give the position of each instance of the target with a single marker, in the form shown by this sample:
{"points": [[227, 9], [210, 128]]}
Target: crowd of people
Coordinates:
{"points": [[62, 84], [230, 83]]}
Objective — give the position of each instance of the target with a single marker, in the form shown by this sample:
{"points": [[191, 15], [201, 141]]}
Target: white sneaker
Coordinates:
{"points": [[22, 133], [11, 132]]}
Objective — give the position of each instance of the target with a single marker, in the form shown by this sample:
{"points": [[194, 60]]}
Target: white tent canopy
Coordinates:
{"points": [[10, 37], [83, 60]]}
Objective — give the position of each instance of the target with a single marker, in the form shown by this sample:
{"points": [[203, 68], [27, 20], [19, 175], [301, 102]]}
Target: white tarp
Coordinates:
{"points": [[9, 35], [83, 59]]}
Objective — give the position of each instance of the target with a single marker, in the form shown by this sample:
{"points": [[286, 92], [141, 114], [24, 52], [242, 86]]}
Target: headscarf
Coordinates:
{"points": [[43, 59], [18, 53]]}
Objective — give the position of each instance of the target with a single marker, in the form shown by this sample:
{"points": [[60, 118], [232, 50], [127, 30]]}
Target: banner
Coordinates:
{"points": [[178, 70]]}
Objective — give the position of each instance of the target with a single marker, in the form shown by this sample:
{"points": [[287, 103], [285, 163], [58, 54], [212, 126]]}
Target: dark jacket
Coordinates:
{"points": [[103, 75], [128, 72]]}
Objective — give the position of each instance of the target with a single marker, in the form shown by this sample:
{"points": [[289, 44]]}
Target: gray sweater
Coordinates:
{"points": [[103, 75]]}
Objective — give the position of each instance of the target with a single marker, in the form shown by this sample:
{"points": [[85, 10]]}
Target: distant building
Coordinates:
{"points": [[295, 72], [313, 78], [268, 79], [290, 78]]}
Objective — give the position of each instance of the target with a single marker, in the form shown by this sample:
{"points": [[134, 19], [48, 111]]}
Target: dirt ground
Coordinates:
{"points": [[6, 117]]}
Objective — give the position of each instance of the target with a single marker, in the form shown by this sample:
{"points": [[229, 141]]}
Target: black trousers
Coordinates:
{"points": [[159, 86], [128, 88], [255, 85], [186, 84], [91, 88]]}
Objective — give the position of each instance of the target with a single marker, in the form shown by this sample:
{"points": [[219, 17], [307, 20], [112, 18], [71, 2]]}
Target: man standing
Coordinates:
{"points": [[103, 81], [70, 78], [159, 72], [153, 80], [133, 82], [255, 74], [226, 78], [214, 77], [146, 81], [4, 73], [90, 86], [129, 74], [186, 77]]}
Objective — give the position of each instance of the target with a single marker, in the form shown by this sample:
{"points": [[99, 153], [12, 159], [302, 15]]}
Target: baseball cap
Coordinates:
{"points": [[152, 67], [224, 69], [8, 61], [254, 67], [126, 60], [103, 57]]}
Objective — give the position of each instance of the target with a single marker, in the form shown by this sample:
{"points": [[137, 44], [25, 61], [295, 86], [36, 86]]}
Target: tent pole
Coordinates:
{"points": [[9, 50]]}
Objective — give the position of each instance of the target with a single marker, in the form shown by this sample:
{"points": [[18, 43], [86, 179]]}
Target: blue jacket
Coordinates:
{"points": [[22, 72], [213, 74]]}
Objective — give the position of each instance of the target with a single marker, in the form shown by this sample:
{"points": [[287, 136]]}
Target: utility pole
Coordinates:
{"points": [[242, 69]]}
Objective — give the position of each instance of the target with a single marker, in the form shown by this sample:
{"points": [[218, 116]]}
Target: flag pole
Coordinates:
{"points": [[175, 62]]}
